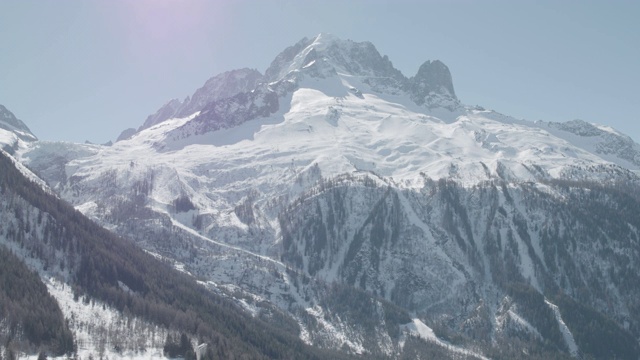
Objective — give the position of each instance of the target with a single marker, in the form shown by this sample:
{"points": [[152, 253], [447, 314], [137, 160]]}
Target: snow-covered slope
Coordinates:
{"points": [[602, 140], [97, 328], [324, 123], [104, 286], [14, 134], [338, 168]]}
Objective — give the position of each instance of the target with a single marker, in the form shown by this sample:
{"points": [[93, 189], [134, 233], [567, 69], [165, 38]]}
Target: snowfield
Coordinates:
{"points": [[417, 328]]}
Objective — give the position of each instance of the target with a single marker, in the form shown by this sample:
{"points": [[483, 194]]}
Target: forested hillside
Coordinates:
{"points": [[108, 268], [31, 317]]}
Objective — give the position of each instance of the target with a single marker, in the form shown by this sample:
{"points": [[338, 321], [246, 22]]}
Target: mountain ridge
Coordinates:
{"points": [[494, 233], [321, 56]]}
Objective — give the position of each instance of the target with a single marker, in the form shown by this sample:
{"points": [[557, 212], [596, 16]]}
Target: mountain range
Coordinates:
{"points": [[374, 213]]}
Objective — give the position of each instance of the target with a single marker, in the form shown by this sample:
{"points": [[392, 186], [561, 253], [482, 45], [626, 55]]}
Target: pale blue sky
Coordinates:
{"points": [[87, 69]]}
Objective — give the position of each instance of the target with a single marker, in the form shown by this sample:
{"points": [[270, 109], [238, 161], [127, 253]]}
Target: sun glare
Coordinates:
{"points": [[160, 26]]}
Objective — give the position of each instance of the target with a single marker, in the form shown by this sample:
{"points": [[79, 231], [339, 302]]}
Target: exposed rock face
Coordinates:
{"points": [[279, 65], [126, 134], [322, 57], [225, 85], [222, 86], [167, 111], [432, 85]]}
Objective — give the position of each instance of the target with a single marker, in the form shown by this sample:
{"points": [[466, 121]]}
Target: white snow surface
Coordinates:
{"points": [[325, 123], [8, 138], [336, 331], [14, 140], [91, 320], [507, 317], [417, 328], [566, 333]]}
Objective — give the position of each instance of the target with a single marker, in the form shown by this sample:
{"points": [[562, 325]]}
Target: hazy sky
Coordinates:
{"points": [[88, 69]]}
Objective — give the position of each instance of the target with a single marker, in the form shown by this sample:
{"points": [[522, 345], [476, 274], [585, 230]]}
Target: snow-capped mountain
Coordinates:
{"points": [[335, 169], [218, 87], [13, 132], [604, 141]]}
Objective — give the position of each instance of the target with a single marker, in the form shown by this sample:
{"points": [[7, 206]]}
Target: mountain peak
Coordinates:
{"points": [[325, 39], [277, 68], [10, 123], [432, 83], [321, 57], [434, 76], [167, 111], [326, 54], [221, 86]]}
